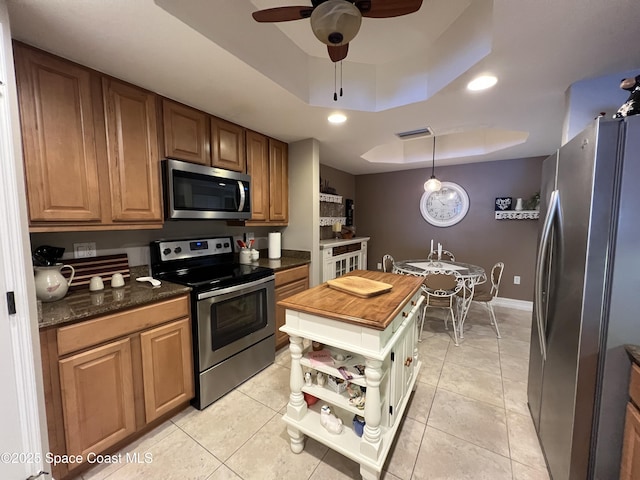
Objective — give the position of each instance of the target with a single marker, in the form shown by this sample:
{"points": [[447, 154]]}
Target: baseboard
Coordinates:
{"points": [[512, 303]]}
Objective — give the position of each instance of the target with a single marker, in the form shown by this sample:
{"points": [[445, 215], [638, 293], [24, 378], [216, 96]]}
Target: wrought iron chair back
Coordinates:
{"points": [[445, 255], [441, 288]]}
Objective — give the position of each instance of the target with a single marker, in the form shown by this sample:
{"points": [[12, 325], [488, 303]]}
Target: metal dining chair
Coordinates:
{"points": [[441, 289], [387, 263], [445, 255], [483, 293]]}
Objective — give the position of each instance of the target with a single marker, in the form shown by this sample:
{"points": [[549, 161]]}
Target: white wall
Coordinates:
{"points": [[303, 232]]}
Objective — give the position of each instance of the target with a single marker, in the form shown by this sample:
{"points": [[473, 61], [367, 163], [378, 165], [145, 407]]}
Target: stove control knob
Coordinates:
{"points": [[226, 244], [166, 251], [177, 250], [218, 245]]}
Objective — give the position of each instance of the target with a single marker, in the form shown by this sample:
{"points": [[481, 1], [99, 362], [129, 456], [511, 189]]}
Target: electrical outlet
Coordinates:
{"points": [[516, 279], [248, 236], [379, 266], [84, 250]]}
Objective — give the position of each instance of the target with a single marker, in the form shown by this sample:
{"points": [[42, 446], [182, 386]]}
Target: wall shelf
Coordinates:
{"points": [[329, 221], [518, 215], [326, 197]]}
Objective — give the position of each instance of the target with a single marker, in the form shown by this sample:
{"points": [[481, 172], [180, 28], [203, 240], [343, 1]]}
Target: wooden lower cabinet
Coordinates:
{"points": [[167, 367], [98, 380], [288, 283], [109, 379], [630, 465]]}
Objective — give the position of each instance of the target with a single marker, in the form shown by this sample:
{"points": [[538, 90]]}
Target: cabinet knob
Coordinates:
{"points": [[413, 302], [408, 361], [405, 314]]}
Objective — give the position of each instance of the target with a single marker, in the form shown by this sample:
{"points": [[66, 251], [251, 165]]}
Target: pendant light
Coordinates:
{"points": [[433, 184]]}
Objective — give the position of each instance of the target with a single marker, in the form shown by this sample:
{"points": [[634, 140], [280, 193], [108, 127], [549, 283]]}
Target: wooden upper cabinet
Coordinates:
{"points": [[258, 169], [278, 181], [58, 134], [267, 164], [186, 133], [227, 145], [132, 152]]}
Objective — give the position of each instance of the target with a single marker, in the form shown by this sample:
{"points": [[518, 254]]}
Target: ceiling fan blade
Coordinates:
{"points": [[337, 53], [387, 8], [282, 14]]}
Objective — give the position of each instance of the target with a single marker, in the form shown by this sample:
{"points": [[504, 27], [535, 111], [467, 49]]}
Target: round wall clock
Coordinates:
{"points": [[445, 207]]}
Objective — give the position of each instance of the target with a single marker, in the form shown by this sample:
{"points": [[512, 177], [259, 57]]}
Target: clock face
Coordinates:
{"points": [[445, 207]]}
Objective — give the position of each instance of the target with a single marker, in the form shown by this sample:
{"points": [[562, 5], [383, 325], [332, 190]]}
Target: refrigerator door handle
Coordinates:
{"points": [[542, 254]]}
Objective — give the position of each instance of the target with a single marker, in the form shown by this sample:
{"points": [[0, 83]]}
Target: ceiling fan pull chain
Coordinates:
{"points": [[335, 95], [340, 77]]}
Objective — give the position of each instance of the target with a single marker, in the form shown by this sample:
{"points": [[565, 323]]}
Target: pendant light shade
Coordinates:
{"points": [[433, 184], [336, 22]]}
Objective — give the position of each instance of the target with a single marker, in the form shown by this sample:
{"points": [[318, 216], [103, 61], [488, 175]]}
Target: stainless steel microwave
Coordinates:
{"points": [[204, 193]]}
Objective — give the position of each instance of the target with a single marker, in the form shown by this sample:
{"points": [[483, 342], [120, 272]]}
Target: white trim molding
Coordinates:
{"points": [[512, 303]]}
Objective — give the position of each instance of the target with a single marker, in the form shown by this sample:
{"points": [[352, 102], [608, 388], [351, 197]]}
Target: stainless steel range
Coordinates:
{"points": [[232, 308]]}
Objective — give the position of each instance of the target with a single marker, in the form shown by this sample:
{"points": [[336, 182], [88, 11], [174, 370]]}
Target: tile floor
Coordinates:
{"points": [[468, 419]]}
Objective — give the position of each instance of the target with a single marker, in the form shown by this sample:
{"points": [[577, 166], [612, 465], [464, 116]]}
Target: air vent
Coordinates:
{"points": [[422, 132]]}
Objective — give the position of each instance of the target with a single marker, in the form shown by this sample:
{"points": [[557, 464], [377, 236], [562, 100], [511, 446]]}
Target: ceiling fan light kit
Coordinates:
{"points": [[336, 22]]}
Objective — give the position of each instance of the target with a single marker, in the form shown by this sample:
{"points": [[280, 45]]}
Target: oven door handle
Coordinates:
{"points": [[235, 288]]}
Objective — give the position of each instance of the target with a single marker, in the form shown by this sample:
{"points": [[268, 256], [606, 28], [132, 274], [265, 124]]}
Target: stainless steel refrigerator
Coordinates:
{"points": [[586, 299]]}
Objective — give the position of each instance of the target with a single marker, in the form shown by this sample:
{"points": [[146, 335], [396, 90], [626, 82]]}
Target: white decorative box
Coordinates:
{"points": [[338, 385]]}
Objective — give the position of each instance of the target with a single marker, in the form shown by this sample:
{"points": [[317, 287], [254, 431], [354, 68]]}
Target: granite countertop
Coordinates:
{"points": [[288, 259], [634, 352], [83, 304]]}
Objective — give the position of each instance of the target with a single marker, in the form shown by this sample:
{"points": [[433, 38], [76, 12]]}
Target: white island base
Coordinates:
{"points": [[391, 360]]}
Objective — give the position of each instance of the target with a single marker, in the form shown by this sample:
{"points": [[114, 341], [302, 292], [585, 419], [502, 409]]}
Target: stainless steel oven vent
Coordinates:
{"points": [[421, 132]]}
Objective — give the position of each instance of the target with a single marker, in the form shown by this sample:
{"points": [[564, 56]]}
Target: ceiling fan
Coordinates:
{"points": [[336, 22]]}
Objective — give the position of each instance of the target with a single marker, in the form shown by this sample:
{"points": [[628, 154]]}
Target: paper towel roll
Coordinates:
{"points": [[274, 245]]}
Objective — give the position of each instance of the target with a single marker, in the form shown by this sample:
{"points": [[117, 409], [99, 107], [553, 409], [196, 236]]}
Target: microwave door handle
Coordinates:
{"points": [[243, 197]]}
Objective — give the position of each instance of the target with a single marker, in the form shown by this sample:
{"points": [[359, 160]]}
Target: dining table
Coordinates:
{"points": [[471, 274]]}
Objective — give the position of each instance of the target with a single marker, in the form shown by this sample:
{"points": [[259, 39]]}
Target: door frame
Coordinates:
{"points": [[22, 399]]}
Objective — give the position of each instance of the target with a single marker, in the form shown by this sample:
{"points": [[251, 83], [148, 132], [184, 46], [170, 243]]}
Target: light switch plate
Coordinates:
{"points": [[516, 279]]}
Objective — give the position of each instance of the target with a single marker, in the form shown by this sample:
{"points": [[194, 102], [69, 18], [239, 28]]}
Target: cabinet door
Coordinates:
{"points": [[58, 134], [283, 292], [278, 181], [227, 145], [186, 133], [402, 369], [97, 397], [630, 465], [167, 367], [132, 148], [258, 168]]}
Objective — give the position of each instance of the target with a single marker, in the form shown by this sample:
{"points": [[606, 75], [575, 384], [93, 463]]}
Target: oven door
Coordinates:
{"points": [[234, 318]]}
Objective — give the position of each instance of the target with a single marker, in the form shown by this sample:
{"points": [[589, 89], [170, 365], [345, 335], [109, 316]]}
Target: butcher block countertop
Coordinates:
{"points": [[374, 312]]}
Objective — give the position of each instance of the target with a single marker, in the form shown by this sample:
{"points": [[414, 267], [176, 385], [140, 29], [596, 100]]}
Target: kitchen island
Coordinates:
{"points": [[377, 332]]}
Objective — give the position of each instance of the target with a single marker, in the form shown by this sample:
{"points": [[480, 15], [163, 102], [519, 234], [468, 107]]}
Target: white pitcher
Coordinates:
{"points": [[50, 283]]}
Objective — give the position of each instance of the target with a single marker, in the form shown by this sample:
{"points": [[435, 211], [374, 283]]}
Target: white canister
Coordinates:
{"points": [[245, 255], [519, 204], [255, 255]]}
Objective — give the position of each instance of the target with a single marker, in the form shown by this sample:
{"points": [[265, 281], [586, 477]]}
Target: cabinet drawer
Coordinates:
{"points": [[634, 384], [291, 275], [92, 332]]}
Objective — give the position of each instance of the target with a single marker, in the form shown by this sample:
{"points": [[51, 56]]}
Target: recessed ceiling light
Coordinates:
{"points": [[482, 82], [337, 118]]}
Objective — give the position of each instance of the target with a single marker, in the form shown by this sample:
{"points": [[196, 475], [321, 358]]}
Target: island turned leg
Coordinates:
{"points": [[371, 438], [297, 407]]}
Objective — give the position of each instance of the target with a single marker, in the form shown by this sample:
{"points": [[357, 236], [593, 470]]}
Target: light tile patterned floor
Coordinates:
{"points": [[468, 419]]}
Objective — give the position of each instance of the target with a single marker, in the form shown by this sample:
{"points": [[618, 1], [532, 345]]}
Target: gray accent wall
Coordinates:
{"points": [[388, 211]]}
